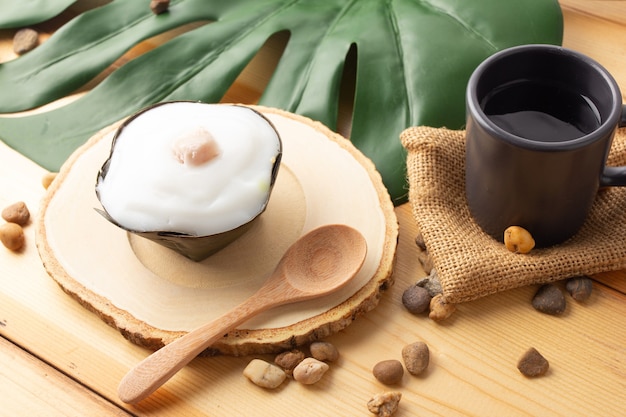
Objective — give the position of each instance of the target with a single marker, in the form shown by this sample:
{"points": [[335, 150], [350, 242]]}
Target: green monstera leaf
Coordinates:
{"points": [[413, 60], [18, 13]]}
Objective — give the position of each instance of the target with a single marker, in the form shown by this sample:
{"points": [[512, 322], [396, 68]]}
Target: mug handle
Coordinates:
{"points": [[615, 176]]}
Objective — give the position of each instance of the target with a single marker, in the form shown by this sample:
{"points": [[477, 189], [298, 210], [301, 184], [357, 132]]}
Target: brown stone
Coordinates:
{"points": [[533, 364], [25, 40], [549, 299]]}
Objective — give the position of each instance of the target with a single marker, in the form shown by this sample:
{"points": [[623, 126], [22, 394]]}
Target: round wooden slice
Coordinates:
{"points": [[154, 295]]}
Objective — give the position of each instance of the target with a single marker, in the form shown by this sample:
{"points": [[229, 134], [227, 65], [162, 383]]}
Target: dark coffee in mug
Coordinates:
{"points": [[541, 111], [540, 122]]}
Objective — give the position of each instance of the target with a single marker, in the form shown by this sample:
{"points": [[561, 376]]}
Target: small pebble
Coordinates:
{"points": [[580, 288], [416, 357], [25, 40], [425, 260], [264, 374], [310, 371], [12, 236], [159, 6], [289, 360], [419, 241], [416, 299], [549, 299], [324, 351], [518, 240], [384, 404], [16, 213], [439, 309], [422, 254], [389, 372], [431, 283], [532, 363], [47, 179]]}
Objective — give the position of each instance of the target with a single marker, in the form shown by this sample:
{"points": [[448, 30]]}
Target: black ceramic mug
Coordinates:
{"points": [[540, 122]]}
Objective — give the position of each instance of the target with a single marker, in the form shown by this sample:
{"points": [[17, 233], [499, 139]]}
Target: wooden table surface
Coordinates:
{"points": [[58, 359]]}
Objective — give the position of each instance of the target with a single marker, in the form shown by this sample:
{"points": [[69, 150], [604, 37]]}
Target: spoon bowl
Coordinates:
{"points": [[320, 262]]}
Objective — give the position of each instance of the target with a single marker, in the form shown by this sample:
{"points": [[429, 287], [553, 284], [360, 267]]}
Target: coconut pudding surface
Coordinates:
{"points": [[191, 168]]}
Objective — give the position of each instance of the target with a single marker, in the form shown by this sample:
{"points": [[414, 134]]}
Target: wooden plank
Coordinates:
{"points": [[32, 388], [613, 10], [613, 279], [601, 39]]}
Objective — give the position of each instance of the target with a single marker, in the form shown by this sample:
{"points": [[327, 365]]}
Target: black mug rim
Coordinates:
{"points": [[476, 112]]}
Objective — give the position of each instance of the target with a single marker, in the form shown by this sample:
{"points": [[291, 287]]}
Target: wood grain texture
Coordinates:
{"points": [[473, 354], [611, 10], [32, 388]]}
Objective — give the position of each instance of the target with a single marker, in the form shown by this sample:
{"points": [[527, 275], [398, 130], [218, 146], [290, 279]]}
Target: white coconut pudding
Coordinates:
{"points": [[189, 169]]}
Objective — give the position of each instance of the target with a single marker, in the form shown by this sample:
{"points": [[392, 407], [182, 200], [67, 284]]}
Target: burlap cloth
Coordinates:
{"points": [[469, 263]]}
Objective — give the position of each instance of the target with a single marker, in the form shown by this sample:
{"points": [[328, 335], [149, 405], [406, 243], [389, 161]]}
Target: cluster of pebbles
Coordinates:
{"points": [[16, 217], [295, 364], [415, 358], [426, 296], [309, 369]]}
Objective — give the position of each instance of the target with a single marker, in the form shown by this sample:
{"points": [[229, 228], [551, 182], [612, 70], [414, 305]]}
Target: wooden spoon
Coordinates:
{"points": [[318, 263]]}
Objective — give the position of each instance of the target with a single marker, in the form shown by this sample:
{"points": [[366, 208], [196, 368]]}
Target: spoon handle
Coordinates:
{"points": [[156, 369]]}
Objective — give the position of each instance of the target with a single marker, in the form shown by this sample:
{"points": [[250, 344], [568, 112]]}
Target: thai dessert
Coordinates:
{"points": [[192, 176]]}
